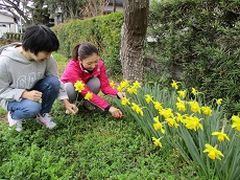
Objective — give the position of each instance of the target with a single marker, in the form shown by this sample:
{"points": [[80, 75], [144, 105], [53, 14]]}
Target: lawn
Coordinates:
{"points": [[89, 145]]}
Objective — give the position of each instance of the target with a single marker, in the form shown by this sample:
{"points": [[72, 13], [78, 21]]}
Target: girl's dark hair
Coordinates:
{"points": [[84, 50], [39, 38]]}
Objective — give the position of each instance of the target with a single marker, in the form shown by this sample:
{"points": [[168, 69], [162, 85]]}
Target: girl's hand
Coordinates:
{"points": [[121, 95], [70, 108], [116, 113]]}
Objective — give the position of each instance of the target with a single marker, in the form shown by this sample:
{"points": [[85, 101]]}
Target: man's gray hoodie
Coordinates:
{"points": [[18, 74]]}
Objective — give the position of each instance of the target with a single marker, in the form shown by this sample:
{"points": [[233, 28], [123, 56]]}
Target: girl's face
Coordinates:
{"points": [[90, 62]]}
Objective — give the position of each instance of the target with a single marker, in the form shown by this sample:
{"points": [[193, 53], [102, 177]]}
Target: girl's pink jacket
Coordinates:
{"points": [[74, 72]]}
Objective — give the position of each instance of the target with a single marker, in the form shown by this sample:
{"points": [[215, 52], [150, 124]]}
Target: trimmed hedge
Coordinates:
{"points": [[201, 40], [103, 31]]}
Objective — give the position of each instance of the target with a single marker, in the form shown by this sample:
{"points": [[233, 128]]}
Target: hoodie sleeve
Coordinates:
{"points": [[6, 92], [51, 70], [105, 86]]}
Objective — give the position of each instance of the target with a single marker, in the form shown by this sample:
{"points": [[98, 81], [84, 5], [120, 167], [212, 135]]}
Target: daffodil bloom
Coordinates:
{"points": [[132, 90], [221, 136], [193, 123], [79, 86], [148, 98], [219, 101], [172, 122], [125, 101], [194, 106], [181, 105], [136, 85], [206, 110], [174, 84], [166, 113], [157, 105], [179, 118], [236, 122], [157, 125], [137, 109], [213, 152], [156, 142], [112, 84], [182, 93], [88, 96], [124, 84], [194, 91]]}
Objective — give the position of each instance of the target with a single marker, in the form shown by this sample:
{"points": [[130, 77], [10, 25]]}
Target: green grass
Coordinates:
{"points": [[90, 145], [86, 146]]}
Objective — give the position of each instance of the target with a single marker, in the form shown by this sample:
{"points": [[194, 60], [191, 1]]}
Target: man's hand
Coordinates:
{"points": [[32, 95], [70, 108], [116, 113]]}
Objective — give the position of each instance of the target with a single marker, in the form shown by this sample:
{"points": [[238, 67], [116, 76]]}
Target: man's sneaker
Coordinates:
{"points": [[46, 120], [12, 122]]}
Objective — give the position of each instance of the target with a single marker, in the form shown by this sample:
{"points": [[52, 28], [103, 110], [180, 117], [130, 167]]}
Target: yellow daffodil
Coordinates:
{"points": [[236, 122], [213, 152], [157, 106], [194, 106], [137, 109], [172, 122], [88, 96], [221, 136], [157, 125], [79, 86], [219, 101], [181, 105], [206, 110], [194, 91], [174, 84], [132, 90], [180, 118], [148, 98], [136, 85], [112, 84], [124, 84], [182, 93], [193, 123], [166, 113], [156, 142], [125, 101]]}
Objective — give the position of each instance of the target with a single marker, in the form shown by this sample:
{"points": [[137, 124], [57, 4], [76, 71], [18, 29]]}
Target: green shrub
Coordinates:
{"points": [[201, 40], [103, 31]]}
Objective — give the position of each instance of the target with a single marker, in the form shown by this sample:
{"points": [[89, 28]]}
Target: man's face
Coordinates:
{"points": [[41, 56]]}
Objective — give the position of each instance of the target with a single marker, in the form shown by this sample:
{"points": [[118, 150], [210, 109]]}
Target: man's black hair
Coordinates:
{"points": [[39, 38]]}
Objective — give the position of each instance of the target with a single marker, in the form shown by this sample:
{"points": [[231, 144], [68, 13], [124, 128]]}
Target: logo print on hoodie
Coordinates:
{"points": [[27, 81]]}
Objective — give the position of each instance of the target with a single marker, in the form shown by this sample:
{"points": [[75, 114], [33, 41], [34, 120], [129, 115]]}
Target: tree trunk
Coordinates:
{"points": [[133, 36]]}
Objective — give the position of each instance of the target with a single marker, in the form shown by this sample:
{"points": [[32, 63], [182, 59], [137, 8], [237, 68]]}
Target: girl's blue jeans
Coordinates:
{"points": [[49, 86]]}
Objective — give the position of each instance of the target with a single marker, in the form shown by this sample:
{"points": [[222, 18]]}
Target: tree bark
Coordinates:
{"points": [[133, 36]]}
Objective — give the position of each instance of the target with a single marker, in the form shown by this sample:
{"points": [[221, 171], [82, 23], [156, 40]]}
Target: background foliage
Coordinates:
{"points": [[198, 43], [103, 31]]}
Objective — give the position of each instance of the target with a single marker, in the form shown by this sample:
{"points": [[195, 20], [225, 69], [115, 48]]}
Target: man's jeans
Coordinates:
{"points": [[49, 86]]}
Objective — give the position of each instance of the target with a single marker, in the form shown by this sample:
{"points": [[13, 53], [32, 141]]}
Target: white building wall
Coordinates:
{"points": [[7, 24]]}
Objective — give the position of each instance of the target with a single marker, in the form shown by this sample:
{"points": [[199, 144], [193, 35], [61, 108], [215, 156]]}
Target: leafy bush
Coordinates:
{"points": [[103, 31], [198, 42]]}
